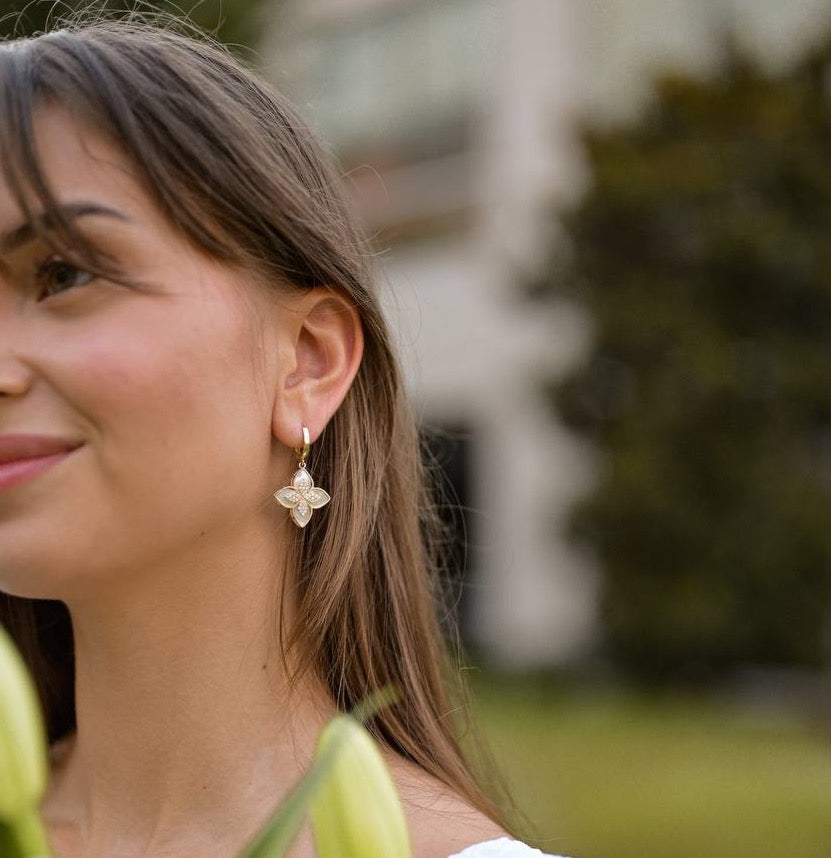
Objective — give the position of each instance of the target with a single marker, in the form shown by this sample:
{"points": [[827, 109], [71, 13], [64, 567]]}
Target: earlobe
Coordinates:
{"points": [[326, 351]]}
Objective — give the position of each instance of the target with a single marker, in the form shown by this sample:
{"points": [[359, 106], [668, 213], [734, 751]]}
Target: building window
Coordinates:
{"points": [[404, 84], [448, 452]]}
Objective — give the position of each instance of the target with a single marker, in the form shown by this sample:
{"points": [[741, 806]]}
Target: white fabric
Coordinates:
{"points": [[504, 847]]}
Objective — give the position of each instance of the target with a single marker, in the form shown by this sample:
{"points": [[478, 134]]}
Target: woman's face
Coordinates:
{"points": [[163, 385]]}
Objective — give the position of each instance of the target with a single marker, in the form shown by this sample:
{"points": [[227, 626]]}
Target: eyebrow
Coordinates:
{"points": [[26, 232]]}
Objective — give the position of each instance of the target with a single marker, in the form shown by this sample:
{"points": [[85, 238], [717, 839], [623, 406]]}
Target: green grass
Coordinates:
{"points": [[619, 776]]}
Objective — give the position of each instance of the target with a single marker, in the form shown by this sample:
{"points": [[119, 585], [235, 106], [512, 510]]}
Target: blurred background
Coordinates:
{"points": [[603, 237]]}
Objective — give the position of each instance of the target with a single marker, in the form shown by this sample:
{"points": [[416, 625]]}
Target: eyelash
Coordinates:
{"points": [[55, 263]]}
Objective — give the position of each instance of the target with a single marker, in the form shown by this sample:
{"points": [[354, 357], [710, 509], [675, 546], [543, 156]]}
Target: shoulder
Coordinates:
{"points": [[444, 825], [441, 822]]}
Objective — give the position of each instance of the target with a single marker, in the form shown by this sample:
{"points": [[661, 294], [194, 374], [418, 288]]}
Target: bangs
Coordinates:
{"points": [[60, 70], [20, 96], [227, 160]]}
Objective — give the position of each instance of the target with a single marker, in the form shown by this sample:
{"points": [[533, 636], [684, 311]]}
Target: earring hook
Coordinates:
{"points": [[303, 452]]}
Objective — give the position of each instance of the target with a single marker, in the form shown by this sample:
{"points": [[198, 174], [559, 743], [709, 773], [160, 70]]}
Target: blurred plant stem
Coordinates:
{"points": [[349, 822], [23, 756], [356, 812], [28, 837], [346, 756]]}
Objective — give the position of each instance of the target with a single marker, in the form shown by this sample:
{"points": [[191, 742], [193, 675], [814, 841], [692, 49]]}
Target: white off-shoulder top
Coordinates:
{"points": [[504, 847]]}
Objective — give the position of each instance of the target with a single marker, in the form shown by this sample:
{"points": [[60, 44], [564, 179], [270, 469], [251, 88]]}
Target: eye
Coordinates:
{"points": [[56, 275]]}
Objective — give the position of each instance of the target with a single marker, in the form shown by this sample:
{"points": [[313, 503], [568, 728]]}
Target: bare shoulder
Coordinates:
{"points": [[441, 822]]}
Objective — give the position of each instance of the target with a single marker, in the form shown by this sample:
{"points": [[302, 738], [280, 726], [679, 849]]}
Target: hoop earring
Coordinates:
{"points": [[302, 496]]}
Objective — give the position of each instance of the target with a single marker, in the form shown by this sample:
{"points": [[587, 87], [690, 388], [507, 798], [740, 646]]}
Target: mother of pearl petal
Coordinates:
{"points": [[302, 480]]}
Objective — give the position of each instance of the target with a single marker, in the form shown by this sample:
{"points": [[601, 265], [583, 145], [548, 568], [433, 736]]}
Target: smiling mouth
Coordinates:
{"points": [[19, 471]]}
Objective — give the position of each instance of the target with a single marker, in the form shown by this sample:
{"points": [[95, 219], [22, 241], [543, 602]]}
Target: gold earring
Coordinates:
{"points": [[302, 496]]}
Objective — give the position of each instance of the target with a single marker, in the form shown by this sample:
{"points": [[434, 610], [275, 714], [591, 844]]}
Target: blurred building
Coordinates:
{"points": [[457, 123]]}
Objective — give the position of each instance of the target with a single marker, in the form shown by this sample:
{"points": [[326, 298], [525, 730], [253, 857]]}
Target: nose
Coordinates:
{"points": [[15, 375], [14, 379]]}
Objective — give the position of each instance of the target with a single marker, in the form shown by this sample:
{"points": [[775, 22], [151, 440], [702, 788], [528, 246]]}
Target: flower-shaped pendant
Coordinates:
{"points": [[301, 497]]}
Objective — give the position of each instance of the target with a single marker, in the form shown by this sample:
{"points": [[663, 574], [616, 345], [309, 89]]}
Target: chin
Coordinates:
{"points": [[31, 581], [41, 569]]}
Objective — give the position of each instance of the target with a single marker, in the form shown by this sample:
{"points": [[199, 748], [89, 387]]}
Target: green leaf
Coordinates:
{"points": [[368, 706], [9, 847], [358, 813], [278, 833], [28, 833]]}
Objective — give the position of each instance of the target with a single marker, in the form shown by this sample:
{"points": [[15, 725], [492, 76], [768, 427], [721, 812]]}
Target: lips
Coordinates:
{"points": [[15, 448]]}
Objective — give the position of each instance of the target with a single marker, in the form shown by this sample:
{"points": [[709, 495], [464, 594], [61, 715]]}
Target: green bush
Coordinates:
{"points": [[703, 253], [238, 23]]}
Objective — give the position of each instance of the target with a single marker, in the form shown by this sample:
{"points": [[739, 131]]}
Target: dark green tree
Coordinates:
{"points": [[703, 253], [237, 23]]}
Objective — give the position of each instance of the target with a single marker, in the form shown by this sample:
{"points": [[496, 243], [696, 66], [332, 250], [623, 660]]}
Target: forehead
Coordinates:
{"points": [[78, 163]]}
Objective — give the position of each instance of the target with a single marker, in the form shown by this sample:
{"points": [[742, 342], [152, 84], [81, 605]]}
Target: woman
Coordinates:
{"points": [[211, 504]]}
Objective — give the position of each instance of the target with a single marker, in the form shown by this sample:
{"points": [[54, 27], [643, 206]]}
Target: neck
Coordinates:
{"points": [[185, 715]]}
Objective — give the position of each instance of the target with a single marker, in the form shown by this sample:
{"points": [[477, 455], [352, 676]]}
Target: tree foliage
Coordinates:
{"points": [[703, 252], [238, 23]]}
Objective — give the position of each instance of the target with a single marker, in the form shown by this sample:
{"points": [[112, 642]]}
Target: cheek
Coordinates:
{"points": [[144, 386], [179, 432]]}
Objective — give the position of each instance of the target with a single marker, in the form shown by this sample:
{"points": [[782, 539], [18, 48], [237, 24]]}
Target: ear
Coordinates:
{"points": [[321, 346]]}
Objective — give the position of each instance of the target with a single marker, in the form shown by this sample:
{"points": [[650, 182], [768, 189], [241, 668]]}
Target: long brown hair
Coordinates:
{"points": [[234, 167]]}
